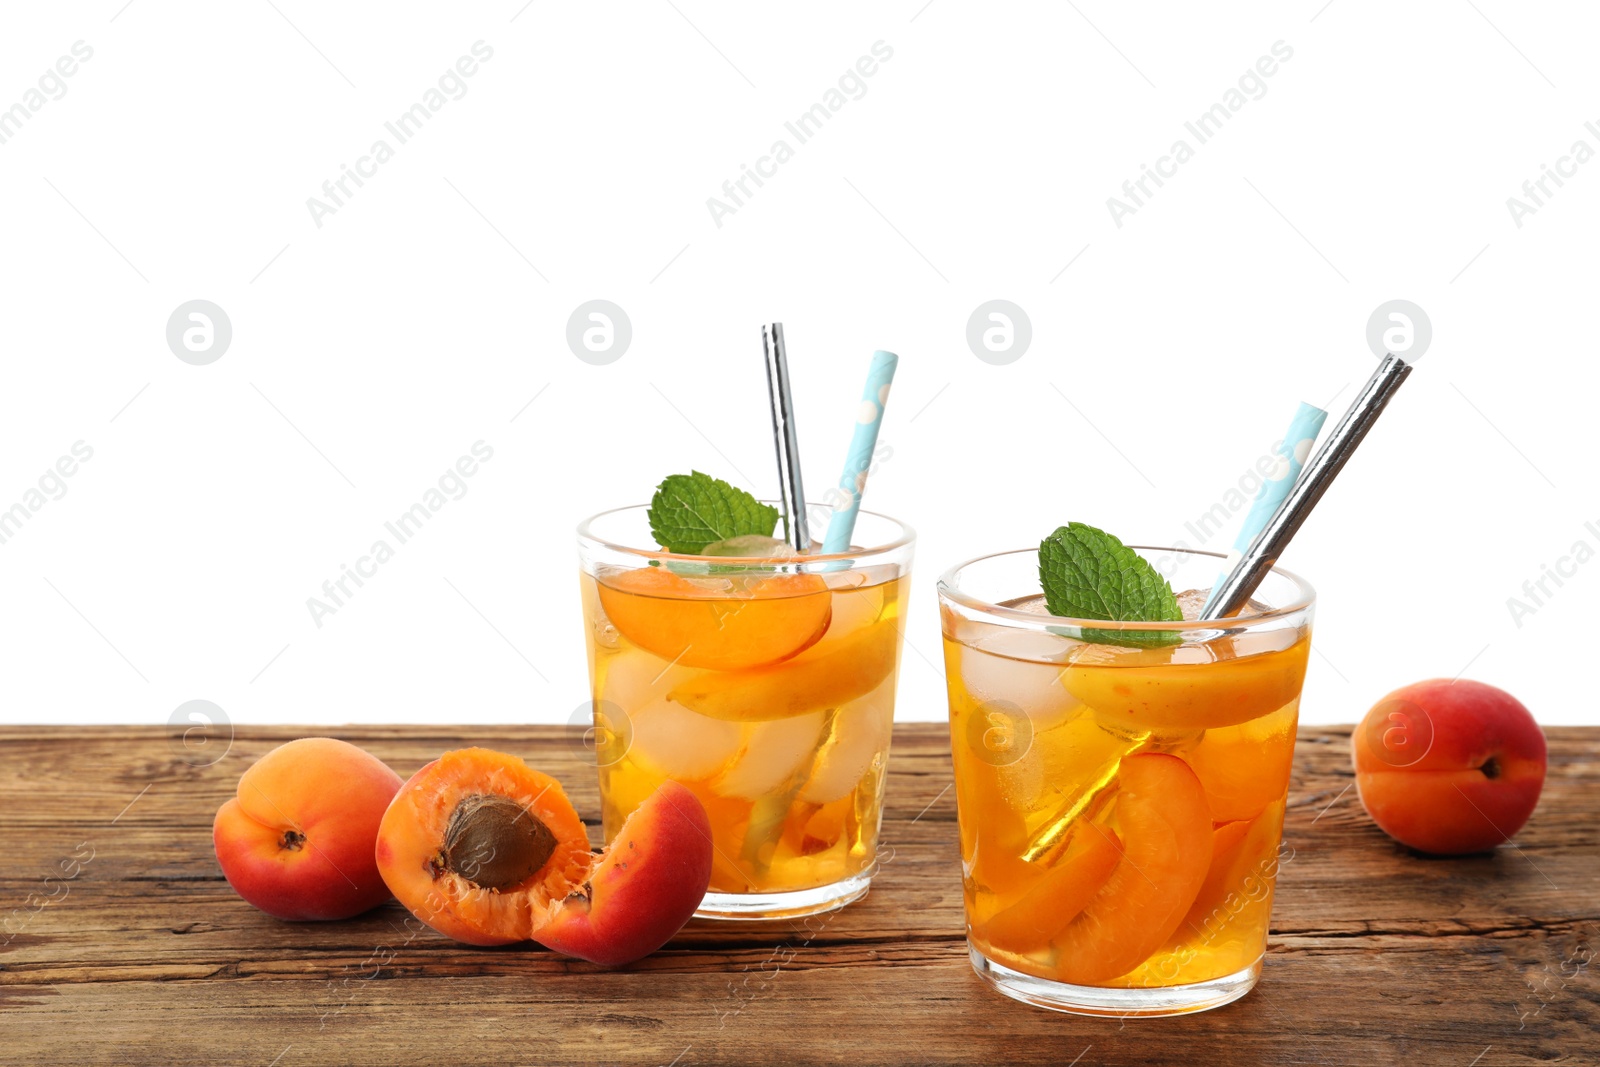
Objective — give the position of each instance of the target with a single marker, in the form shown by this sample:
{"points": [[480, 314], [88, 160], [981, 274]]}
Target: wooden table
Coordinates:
{"points": [[1377, 955]]}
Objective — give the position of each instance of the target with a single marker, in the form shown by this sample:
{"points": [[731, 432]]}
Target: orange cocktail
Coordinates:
{"points": [[766, 686], [1121, 804]]}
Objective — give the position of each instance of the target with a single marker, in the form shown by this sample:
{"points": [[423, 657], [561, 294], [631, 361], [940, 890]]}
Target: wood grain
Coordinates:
{"points": [[146, 956]]}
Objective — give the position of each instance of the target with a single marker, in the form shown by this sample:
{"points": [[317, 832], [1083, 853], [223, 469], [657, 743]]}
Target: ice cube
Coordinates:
{"points": [[674, 742], [860, 732], [751, 546], [773, 753], [1061, 763], [633, 678], [667, 739], [1192, 601], [1019, 669]]}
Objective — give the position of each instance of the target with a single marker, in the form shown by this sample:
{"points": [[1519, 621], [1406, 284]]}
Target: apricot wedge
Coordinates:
{"points": [[1166, 834], [1148, 691], [645, 886], [1238, 885], [848, 668], [1246, 767], [699, 625], [1058, 897]]}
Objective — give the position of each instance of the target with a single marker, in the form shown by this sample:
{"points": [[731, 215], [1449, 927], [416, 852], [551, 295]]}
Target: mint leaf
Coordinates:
{"points": [[691, 511], [1088, 574]]}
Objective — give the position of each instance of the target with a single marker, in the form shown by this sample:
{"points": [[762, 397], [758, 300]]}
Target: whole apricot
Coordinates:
{"points": [[297, 838], [1449, 767]]}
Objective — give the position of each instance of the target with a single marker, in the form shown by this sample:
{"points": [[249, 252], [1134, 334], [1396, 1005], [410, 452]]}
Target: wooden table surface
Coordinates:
{"points": [[146, 956]]}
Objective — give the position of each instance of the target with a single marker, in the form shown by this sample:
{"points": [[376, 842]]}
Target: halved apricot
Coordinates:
{"points": [[699, 624], [489, 851], [1166, 834], [1058, 897], [847, 669]]}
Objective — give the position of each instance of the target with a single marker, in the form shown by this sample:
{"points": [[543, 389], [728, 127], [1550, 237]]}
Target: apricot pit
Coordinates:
{"points": [[494, 842]]}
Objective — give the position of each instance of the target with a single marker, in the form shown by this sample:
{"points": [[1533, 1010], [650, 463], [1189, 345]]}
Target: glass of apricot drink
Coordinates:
{"points": [[1120, 785], [763, 683]]}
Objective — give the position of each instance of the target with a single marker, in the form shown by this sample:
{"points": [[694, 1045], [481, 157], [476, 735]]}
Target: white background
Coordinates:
{"points": [[429, 312]]}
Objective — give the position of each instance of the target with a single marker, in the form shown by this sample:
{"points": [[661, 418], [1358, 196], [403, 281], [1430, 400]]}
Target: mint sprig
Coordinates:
{"points": [[1088, 574], [691, 511]]}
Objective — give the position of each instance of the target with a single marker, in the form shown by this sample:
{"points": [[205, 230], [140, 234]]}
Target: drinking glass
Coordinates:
{"points": [[766, 686], [1120, 785]]}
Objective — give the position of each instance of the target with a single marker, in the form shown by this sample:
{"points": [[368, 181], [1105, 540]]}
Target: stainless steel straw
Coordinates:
{"points": [[1319, 473], [790, 488]]}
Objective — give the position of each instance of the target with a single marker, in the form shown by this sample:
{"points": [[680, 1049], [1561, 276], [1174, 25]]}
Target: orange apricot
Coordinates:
{"points": [[699, 625], [297, 838], [489, 851], [1449, 766]]}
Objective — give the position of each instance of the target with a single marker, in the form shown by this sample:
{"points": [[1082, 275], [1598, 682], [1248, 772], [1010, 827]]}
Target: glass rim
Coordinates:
{"points": [[1305, 597], [588, 538]]}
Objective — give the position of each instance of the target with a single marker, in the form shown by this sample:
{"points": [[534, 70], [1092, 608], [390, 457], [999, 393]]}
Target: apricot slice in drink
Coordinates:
{"points": [[1244, 768], [489, 851], [1059, 896], [699, 624], [993, 838], [1166, 834], [1151, 690], [1244, 866], [848, 668], [812, 828]]}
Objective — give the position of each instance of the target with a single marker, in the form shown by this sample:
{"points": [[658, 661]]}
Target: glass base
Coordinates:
{"points": [[792, 905], [1121, 1003]]}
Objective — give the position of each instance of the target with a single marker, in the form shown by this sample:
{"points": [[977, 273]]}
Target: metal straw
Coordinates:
{"points": [[791, 490], [1330, 459]]}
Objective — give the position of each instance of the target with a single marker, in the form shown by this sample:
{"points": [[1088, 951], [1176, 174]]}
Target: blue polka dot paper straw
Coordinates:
{"points": [[854, 479], [1275, 484]]}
